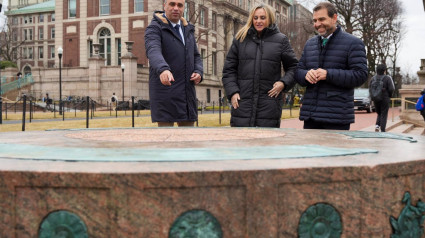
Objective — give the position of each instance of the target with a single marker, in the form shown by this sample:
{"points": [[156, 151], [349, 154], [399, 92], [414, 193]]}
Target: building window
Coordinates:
{"points": [[72, 8], [118, 50], [240, 3], [202, 17], [214, 21], [24, 53], [208, 95], [40, 52], [52, 33], [214, 63], [52, 52], [104, 7], [90, 50], [53, 17], [40, 33], [138, 5], [41, 18], [25, 34], [30, 53], [30, 34], [105, 48], [203, 57]]}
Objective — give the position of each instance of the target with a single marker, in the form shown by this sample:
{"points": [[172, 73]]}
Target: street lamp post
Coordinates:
{"points": [[122, 80], [60, 52]]}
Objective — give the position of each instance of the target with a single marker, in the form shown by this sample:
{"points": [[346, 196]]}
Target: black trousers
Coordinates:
{"points": [[423, 114], [382, 108], [311, 124]]}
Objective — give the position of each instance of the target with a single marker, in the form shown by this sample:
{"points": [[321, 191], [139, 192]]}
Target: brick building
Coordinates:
{"points": [[75, 25]]}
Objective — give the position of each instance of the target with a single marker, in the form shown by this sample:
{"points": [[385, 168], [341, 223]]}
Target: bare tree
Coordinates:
{"points": [[378, 23], [9, 43], [298, 31]]}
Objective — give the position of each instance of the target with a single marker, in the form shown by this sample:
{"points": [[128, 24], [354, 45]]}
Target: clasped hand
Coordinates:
{"points": [[315, 75]]}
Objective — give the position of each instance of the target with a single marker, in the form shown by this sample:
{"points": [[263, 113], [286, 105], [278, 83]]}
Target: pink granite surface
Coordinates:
{"points": [[249, 198]]}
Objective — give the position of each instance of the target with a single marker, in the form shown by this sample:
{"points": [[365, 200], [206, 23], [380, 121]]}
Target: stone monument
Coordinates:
{"points": [[210, 182]]}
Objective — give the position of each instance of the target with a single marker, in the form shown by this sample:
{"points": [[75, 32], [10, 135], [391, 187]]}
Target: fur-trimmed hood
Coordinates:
{"points": [[160, 16]]}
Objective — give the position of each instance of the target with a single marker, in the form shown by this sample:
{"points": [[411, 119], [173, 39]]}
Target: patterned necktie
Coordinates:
{"points": [[177, 29], [324, 41]]}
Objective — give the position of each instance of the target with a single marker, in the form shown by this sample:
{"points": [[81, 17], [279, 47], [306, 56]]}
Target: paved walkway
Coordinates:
{"points": [[363, 121]]}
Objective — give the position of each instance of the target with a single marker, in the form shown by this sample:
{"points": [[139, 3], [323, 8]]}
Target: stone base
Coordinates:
{"points": [[237, 182]]}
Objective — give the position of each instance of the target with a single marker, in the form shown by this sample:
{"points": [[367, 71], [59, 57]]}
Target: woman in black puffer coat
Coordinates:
{"points": [[252, 76]]}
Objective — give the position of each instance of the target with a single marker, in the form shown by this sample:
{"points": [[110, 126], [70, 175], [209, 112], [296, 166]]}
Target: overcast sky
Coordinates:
{"points": [[413, 46], [2, 16]]}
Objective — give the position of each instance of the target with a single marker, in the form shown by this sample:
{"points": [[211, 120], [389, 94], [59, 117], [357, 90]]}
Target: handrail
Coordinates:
{"points": [[16, 84], [402, 102]]}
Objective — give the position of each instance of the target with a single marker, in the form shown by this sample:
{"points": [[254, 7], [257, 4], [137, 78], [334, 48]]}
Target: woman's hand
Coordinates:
{"points": [[277, 88], [235, 100]]}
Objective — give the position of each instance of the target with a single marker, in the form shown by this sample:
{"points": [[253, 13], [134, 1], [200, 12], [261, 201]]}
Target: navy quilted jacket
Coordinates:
{"points": [[344, 58]]}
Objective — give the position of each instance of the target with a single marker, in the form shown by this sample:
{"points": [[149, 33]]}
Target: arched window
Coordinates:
{"points": [[27, 70], [105, 45]]}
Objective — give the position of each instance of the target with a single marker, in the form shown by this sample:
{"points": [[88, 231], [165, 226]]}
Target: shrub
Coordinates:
{"points": [[7, 64]]}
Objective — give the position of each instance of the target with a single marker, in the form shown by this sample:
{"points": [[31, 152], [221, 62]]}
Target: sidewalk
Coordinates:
{"points": [[363, 121]]}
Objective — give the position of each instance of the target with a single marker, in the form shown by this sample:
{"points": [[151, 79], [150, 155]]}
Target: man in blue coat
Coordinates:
{"points": [[333, 63], [175, 66]]}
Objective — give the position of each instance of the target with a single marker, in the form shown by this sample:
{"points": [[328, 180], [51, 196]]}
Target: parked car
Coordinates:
{"points": [[362, 100]]}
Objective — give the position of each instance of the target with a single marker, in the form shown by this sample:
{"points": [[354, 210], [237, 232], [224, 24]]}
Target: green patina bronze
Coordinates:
{"points": [[33, 152], [62, 224], [320, 221], [382, 135], [196, 224], [410, 222]]}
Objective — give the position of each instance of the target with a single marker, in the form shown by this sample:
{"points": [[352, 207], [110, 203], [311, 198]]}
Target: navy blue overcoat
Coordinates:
{"points": [[166, 51]]}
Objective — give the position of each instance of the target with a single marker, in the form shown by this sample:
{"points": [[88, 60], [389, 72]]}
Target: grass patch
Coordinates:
{"points": [[124, 120]]}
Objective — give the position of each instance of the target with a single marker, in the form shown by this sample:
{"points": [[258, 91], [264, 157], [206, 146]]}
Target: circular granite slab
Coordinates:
{"points": [[189, 144]]}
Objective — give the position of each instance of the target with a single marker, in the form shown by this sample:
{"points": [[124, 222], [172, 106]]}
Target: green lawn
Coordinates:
{"points": [[103, 119]]}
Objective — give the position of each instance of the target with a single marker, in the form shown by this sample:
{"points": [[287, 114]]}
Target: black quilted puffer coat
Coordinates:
{"points": [[251, 69]]}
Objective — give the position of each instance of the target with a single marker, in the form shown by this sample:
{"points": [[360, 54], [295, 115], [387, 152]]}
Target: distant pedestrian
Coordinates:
{"points": [[114, 101], [48, 101], [381, 99]]}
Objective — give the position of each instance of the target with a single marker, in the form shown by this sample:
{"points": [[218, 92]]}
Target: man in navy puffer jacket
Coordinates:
{"points": [[333, 63]]}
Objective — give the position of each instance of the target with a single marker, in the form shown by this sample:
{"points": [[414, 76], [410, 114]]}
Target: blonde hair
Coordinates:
{"points": [[270, 17]]}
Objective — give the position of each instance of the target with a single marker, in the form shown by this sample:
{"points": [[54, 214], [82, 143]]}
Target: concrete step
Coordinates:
{"points": [[419, 131], [402, 128]]}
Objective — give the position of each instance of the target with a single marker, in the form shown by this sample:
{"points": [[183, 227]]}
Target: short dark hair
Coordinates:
{"points": [[423, 92], [329, 6], [380, 69]]}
